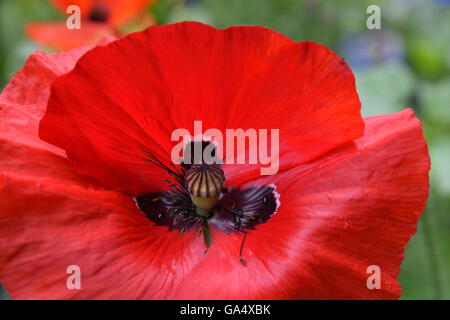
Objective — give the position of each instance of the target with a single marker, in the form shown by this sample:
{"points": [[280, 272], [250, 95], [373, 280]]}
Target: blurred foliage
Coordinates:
{"points": [[384, 89], [14, 47], [405, 64]]}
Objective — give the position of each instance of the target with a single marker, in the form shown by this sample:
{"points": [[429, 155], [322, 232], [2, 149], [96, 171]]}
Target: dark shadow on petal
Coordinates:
{"points": [[241, 210]]}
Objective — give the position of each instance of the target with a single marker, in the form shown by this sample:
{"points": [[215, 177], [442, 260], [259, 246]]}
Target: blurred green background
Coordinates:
{"points": [[404, 64]]}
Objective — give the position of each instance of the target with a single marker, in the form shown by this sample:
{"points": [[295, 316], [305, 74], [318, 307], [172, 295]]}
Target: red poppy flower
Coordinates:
{"points": [[349, 191], [99, 18]]}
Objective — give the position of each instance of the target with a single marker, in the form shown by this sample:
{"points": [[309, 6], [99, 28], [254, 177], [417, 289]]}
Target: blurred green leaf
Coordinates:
{"points": [[385, 88], [427, 57], [435, 101]]}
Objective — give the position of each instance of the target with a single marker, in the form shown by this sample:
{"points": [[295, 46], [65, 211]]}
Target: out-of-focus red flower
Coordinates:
{"points": [[99, 18], [351, 190]]}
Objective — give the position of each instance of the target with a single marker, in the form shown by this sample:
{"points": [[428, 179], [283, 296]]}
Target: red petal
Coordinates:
{"points": [[41, 198], [57, 36], [22, 104], [355, 207], [134, 93], [24, 99]]}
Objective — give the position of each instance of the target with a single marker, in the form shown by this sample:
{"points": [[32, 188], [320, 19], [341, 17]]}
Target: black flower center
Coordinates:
{"points": [[198, 199]]}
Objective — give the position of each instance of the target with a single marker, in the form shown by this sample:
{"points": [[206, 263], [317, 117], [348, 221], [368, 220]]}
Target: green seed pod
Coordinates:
{"points": [[204, 183]]}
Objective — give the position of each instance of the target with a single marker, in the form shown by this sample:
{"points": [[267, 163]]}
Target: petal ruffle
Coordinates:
{"points": [[30, 168], [132, 94]]}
